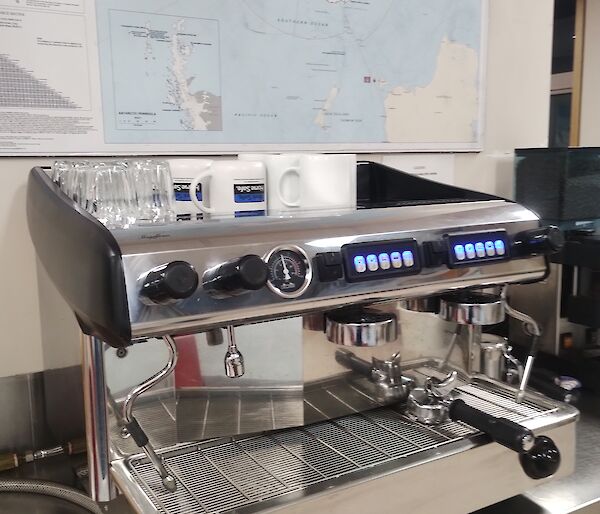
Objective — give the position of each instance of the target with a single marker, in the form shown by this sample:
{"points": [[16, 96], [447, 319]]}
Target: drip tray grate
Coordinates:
{"points": [[220, 476]]}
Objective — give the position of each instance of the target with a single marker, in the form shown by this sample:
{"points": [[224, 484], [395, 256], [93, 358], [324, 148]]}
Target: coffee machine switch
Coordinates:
{"points": [[435, 253], [329, 266], [169, 282], [539, 241], [235, 277]]}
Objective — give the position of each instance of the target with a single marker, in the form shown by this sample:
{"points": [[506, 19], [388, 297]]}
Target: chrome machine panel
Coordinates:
{"points": [[207, 245]]}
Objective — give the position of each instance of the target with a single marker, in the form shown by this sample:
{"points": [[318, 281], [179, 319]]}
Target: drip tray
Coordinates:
{"points": [[248, 474]]}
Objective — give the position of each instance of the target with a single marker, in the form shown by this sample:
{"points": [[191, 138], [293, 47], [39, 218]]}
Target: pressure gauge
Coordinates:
{"points": [[289, 271]]}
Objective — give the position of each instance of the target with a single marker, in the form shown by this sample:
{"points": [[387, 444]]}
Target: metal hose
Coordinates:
{"points": [[50, 489]]}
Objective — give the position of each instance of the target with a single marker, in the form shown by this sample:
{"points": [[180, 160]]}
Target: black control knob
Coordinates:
{"points": [[538, 241], [170, 282], [235, 277], [543, 460]]}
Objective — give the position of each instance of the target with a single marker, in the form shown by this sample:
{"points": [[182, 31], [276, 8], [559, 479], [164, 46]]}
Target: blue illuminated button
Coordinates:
{"points": [[360, 265], [372, 263], [396, 259], [459, 251], [499, 245], [408, 258], [384, 261], [479, 249], [470, 251], [489, 248]]}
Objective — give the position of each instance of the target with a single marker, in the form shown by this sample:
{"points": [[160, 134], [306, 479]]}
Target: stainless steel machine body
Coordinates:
{"points": [[348, 464], [296, 428], [207, 245]]}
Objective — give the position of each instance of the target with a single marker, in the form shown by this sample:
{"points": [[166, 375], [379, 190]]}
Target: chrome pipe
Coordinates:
{"points": [[152, 381], [525, 378], [473, 350], [168, 480], [96, 419], [451, 346], [530, 325]]}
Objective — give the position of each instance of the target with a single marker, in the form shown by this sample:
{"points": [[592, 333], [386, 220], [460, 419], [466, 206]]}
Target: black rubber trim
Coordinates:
{"points": [[137, 433], [82, 258]]}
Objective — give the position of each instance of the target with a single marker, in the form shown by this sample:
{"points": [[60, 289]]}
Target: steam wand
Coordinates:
{"points": [[134, 428], [531, 327]]}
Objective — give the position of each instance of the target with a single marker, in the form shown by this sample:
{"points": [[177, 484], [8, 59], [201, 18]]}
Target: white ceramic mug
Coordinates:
{"points": [[283, 180], [184, 171], [326, 182], [231, 189]]}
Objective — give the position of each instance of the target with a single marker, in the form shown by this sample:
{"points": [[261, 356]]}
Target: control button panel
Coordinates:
{"points": [[370, 261], [477, 248]]}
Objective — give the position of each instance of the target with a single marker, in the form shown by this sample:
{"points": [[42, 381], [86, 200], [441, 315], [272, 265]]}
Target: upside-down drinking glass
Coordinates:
{"points": [[113, 198], [152, 185]]}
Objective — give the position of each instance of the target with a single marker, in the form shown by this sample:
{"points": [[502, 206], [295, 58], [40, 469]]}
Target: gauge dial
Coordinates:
{"points": [[289, 271]]}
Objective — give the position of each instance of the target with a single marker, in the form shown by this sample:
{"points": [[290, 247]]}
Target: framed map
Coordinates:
{"points": [[221, 76], [396, 73]]}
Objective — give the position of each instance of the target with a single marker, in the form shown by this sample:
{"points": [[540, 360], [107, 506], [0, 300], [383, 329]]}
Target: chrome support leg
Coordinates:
{"points": [[96, 427], [136, 431]]}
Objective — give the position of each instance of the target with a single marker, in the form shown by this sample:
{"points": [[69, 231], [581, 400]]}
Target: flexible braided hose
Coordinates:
{"points": [[50, 489]]}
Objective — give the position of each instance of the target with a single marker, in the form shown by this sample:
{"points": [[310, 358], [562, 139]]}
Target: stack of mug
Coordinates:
{"points": [[132, 192], [259, 184]]}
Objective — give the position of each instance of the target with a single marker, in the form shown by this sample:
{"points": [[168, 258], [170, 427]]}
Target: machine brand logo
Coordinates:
{"points": [[155, 236]]}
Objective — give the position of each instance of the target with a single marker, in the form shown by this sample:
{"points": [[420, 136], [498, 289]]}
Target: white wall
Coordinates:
{"points": [[20, 341], [590, 88], [518, 85], [517, 111]]}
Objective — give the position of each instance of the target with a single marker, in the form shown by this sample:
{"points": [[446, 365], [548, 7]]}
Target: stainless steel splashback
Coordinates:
{"points": [[292, 378]]}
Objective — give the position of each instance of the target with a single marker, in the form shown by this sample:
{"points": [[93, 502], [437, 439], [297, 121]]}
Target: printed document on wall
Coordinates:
{"points": [[48, 100]]}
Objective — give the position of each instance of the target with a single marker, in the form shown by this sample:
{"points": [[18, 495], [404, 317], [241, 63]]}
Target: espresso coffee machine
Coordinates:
{"points": [[322, 361], [561, 185]]}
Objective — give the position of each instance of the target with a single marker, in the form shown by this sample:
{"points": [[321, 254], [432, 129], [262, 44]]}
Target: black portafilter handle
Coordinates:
{"points": [[539, 456], [505, 432], [351, 361]]}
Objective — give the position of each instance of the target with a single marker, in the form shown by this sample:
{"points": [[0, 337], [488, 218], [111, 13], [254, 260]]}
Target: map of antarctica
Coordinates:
{"points": [[291, 71]]}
